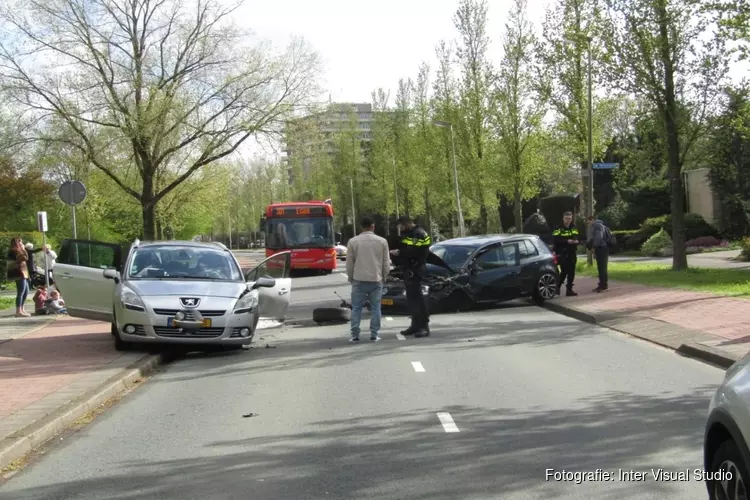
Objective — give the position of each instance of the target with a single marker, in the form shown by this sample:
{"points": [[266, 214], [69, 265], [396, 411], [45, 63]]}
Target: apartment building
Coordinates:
{"points": [[336, 117]]}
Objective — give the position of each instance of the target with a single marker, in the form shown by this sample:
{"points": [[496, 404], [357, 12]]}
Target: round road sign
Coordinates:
{"points": [[72, 192]]}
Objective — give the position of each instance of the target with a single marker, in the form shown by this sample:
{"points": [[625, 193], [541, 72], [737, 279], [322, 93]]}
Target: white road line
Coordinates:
{"points": [[417, 366], [400, 337], [448, 424]]}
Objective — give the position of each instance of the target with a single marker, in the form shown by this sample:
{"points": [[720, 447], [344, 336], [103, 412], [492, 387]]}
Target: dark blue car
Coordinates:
{"points": [[465, 272]]}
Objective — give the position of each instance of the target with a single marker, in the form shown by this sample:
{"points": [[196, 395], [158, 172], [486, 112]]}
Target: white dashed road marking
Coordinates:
{"points": [[448, 424], [417, 366]]}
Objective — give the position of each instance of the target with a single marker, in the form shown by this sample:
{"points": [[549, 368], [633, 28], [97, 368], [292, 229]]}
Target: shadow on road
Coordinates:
{"points": [[498, 452]]}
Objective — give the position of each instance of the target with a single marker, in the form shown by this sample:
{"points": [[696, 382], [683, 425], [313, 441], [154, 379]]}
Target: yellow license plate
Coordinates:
{"points": [[387, 302]]}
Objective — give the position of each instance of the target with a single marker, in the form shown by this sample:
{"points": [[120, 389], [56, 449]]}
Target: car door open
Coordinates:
{"points": [[79, 276], [273, 302]]}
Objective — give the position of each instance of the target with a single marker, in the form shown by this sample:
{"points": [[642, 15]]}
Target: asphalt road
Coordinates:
{"points": [[479, 410]]}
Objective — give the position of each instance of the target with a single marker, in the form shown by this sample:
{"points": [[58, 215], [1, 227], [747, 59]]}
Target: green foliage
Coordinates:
{"points": [[745, 247], [644, 199], [729, 144], [657, 243]]}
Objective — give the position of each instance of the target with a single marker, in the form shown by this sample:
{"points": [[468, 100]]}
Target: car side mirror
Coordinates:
{"points": [[264, 283], [111, 274]]}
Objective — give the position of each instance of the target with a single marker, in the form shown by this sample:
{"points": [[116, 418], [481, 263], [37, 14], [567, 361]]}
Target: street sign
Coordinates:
{"points": [[606, 166], [41, 222], [72, 192]]}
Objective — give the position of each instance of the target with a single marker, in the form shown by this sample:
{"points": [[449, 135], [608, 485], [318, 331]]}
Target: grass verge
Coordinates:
{"points": [[7, 302], [729, 282]]}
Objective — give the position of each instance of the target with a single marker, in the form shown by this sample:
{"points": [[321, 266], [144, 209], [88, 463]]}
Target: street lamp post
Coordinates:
{"points": [[590, 197], [439, 123]]}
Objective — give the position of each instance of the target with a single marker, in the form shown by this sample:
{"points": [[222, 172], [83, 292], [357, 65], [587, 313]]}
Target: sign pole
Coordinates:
{"points": [[75, 229], [41, 222]]}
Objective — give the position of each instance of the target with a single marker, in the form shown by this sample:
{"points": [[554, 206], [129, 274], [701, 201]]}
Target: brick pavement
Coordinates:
{"points": [[45, 370], [666, 316]]}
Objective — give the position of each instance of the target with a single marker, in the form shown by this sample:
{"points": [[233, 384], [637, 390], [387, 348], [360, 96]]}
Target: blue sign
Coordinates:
{"points": [[606, 165]]}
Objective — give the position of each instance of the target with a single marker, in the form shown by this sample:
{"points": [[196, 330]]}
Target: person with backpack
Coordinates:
{"points": [[600, 241]]}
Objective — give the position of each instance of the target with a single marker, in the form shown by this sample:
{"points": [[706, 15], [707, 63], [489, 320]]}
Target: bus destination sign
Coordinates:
{"points": [[300, 211]]}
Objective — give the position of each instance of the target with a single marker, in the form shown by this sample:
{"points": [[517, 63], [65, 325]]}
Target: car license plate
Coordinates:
{"points": [[387, 302], [206, 322]]}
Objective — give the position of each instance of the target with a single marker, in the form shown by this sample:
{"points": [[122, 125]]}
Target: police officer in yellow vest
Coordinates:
{"points": [[413, 248], [565, 243]]}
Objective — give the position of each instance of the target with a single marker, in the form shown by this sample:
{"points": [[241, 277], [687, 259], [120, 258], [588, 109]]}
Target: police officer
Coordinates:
{"points": [[413, 248], [566, 241]]}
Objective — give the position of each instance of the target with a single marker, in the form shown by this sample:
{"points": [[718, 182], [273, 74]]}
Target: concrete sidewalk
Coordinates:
{"points": [[54, 375], [709, 327]]}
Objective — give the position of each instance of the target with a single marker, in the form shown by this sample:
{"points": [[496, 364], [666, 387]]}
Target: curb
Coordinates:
{"points": [[28, 439], [29, 332], [690, 349]]}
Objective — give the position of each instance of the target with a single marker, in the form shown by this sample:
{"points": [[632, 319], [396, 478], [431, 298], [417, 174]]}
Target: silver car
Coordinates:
{"points": [[726, 453], [171, 291]]}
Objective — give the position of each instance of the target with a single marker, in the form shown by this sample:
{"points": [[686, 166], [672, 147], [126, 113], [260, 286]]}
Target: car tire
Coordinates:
{"points": [[729, 458], [332, 315], [545, 287], [120, 345]]}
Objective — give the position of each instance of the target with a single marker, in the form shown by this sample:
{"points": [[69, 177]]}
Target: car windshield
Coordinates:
{"points": [[453, 255], [186, 263], [299, 233]]}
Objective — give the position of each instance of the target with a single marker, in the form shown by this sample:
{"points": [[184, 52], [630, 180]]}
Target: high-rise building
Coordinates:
{"points": [[336, 117]]}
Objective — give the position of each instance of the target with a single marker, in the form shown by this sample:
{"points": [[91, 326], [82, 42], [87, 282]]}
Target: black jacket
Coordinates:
{"points": [[561, 235], [414, 246]]}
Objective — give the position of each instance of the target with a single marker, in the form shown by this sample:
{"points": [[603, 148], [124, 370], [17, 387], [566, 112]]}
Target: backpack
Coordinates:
{"points": [[609, 238]]}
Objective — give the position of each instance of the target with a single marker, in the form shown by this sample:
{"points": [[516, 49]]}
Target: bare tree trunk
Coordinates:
{"points": [[517, 208]]}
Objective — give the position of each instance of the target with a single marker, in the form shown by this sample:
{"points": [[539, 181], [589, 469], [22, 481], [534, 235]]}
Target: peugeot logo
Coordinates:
{"points": [[189, 302]]}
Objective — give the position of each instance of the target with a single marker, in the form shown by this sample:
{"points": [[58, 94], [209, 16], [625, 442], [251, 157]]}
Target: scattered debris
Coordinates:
{"points": [[248, 415]]}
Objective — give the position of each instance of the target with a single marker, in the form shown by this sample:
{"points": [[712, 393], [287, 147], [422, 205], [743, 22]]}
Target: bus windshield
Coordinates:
{"points": [[314, 232]]}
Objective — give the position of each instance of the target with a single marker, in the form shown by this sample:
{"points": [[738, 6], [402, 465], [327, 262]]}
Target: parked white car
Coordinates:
{"points": [[183, 292], [725, 447]]}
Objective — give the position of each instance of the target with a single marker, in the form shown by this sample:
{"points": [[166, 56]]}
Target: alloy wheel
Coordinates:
{"points": [[547, 286], [731, 488]]}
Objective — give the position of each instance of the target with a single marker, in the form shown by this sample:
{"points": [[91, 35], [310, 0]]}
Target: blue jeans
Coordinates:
{"points": [[22, 291], [361, 291]]}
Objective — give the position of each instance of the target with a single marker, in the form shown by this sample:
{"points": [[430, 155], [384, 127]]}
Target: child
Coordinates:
{"points": [[40, 298], [55, 304]]}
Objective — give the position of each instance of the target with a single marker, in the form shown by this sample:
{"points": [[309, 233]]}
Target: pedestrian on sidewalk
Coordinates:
{"points": [[600, 241], [367, 266], [565, 243], [18, 271]]}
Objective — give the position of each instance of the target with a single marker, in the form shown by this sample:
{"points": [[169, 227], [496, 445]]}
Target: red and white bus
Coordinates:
{"points": [[305, 229]]}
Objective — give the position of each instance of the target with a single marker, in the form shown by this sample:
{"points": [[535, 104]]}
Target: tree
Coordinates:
{"points": [[519, 110], [176, 87], [472, 131], [567, 37], [658, 53]]}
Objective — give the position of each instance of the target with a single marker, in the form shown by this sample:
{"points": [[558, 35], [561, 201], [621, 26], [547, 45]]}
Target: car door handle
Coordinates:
{"points": [[283, 291]]}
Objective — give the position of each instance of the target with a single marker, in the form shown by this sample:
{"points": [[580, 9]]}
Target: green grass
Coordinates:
{"points": [[7, 302], [728, 282]]}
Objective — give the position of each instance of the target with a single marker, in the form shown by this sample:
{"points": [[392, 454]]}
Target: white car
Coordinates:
{"points": [[182, 292], [726, 454], [341, 252]]}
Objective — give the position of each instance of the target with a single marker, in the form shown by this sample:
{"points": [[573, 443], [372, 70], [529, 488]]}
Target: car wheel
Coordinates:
{"points": [[120, 345], [732, 481], [545, 288], [332, 315]]}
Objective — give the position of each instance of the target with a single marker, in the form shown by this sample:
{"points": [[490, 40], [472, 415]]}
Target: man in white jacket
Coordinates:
{"points": [[368, 263]]}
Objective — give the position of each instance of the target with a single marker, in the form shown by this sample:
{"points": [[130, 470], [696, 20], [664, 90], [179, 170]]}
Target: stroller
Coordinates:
{"points": [[37, 278]]}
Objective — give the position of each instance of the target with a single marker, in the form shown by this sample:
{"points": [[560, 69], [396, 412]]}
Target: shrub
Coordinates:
{"points": [[655, 245], [704, 241], [695, 227], [745, 245], [625, 241]]}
